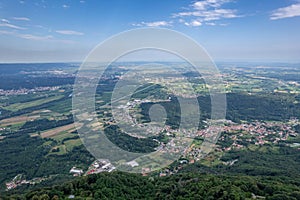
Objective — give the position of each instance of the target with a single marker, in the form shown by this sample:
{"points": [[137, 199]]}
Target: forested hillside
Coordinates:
{"points": [[119, 185]]}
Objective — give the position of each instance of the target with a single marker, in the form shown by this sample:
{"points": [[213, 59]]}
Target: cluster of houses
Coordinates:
{"points": [[26, 91], [14, 184], [101, 165], [96, 167], [260, 133], [76, 171], [19, 180], [256, 133]]}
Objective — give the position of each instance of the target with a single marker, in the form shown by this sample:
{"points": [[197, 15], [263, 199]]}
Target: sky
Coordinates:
{"points": [[229, 30]]}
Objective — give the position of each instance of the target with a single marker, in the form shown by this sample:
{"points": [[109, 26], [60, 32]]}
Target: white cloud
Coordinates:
{"points": [[5, 20], [224, 24], [26, 36], [286, 12], [69, 32], [12, 26], [200, 5], [209, 15], [21, 18], [6, 32], [153, 24], [65, 6], [206, 11], [35, 37], [210, 23], [205, 4], [198, 13], [193, 23]]}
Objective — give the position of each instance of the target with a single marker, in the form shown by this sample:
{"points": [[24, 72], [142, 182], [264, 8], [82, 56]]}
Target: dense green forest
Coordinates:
{"points": [[269, 107], [129, 143], [119, 185], [249, 107], [22, 154], [268, 160]]}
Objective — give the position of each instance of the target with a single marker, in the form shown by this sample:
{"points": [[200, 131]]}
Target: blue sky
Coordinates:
{"points": [[66, 30]]}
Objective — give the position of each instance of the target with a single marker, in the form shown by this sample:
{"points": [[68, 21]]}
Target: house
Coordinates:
{"points": [[183, 161], [76, 171], [133, 163]]}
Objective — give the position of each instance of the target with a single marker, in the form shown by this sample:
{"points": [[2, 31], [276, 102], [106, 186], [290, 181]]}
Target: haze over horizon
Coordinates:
{"points": [[230, 30]]}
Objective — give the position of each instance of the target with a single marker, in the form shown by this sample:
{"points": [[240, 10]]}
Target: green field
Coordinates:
{"points": [[70, 144], [19, 106]]}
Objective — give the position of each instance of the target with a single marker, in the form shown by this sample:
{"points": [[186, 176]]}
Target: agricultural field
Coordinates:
{"points": [[20, 106], [38, 126], [54, 133]]}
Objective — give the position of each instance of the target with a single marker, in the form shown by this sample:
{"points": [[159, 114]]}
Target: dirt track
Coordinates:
{"points": [[57, 130]]}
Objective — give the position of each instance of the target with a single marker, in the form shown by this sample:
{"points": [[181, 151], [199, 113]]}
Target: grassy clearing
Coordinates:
{"points": [[63, 107], [70, 144], [56, 131], [19, 106], [65, 148], [12, 127], [212, 159], [18, 119], [62, 135], [58, 150], [47, 143]]}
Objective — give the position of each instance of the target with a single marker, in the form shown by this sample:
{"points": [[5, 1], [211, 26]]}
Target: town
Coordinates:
{"points": [[24, 91], [239, 136]]}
